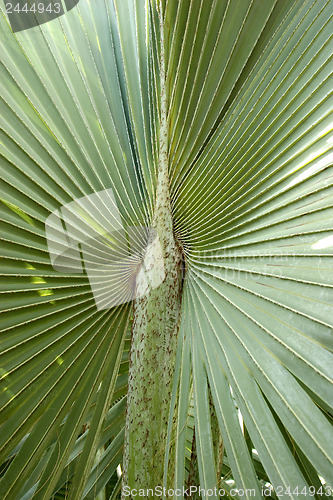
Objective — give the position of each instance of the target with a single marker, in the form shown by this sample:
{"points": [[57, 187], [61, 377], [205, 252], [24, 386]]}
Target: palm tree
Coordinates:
{"points": [[210, 123]]}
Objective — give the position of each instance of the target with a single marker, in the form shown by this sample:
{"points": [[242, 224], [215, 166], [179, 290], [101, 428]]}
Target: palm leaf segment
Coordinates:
{"points": [[250, 151]]}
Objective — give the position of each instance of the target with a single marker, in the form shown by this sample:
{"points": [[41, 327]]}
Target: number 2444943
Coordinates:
{"points": [[38, 8]]}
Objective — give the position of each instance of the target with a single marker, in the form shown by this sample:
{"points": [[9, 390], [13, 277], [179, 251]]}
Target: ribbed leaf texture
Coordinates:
{"points": [[250, 162]]}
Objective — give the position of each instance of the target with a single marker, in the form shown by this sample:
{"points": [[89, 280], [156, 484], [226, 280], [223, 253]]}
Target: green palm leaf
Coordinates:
{"points": [[249, 148]]}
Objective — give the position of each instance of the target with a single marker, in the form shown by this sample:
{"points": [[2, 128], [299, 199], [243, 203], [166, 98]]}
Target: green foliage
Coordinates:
{"points": [[249, 103]]}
